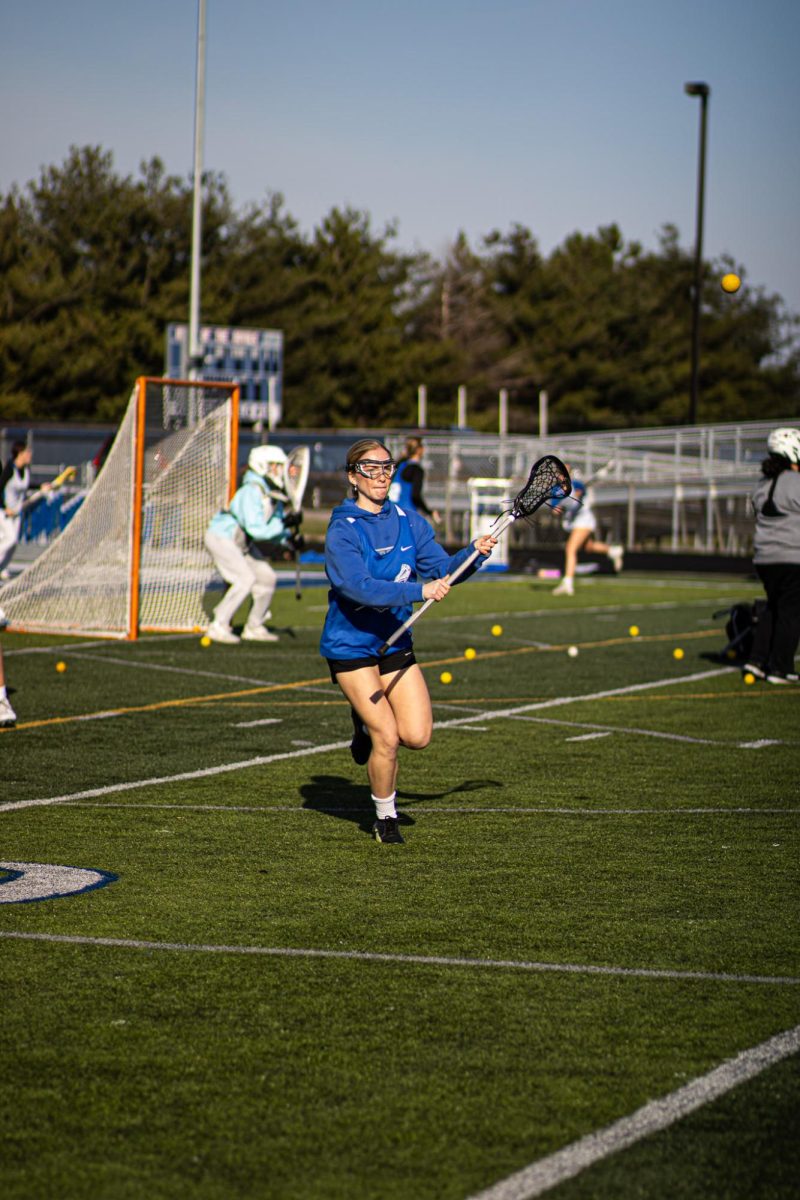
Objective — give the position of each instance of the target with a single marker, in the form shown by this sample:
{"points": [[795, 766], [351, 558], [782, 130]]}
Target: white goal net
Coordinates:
{"points": [[132, 558]]}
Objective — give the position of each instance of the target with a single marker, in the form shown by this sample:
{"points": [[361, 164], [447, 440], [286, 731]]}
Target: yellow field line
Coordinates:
{"points": [[138, 708], [278, 687]]}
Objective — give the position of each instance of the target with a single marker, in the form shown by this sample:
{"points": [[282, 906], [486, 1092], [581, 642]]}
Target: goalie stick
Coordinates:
{"points": [[298, 465], [548, 481]]}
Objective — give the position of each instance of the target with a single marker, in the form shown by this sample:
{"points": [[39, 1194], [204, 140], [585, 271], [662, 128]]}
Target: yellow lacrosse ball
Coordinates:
{"points": [[497, 630], [677, 653], [205, 641], [730, 282], [61, 667], [748, 678], [634, 631], [469, 652], [446, 677]]}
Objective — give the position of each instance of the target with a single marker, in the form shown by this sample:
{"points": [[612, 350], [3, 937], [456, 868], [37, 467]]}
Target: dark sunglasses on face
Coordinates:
{"points": [[371, 468]]}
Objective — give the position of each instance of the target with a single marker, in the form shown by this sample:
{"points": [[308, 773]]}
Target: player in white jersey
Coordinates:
{"points": [[580, 525]]}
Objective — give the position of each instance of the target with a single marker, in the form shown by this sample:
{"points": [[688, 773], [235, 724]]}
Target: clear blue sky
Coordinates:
{"points": [[445, 115]]}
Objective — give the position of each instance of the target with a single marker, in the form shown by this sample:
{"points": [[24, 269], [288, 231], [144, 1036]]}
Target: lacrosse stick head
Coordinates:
{"points": [[548, 481]]}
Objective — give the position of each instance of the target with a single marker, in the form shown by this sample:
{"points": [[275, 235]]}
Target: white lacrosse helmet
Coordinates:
{"points": [[785, 442], [265, 460]]}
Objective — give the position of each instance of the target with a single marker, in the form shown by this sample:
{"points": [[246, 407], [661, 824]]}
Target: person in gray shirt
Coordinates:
{"points": [[776, 557]]}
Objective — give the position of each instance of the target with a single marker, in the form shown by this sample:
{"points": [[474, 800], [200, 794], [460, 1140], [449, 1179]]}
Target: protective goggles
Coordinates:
{"points": [[371, 468]]}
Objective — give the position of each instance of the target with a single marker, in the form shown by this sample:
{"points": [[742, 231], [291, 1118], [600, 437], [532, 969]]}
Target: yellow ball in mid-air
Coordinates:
{"points": [[634, 631], [748, 678], [497, 630], [446, 677], [470, 652], [205, 641], [730, 282], [61, 667], [677, 652]]}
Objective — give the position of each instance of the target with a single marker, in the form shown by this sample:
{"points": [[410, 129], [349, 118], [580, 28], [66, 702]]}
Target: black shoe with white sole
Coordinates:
{"points": [[387, 830]]}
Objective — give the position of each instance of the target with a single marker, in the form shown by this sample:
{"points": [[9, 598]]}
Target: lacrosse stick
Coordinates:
{"points": [[298, 465], [549, 480], [66, 474]]}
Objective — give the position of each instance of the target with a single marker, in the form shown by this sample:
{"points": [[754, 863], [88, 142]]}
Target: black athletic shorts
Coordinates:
{"points": [[391, 662]]}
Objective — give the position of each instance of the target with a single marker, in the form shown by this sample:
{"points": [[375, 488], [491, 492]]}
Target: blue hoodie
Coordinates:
{"points": [[375, 563]]}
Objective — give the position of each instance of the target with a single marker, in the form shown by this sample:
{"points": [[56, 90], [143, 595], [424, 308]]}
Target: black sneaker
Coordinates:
{"points": [[754, 669], [361, 745], [777, 677], [387, 830]]}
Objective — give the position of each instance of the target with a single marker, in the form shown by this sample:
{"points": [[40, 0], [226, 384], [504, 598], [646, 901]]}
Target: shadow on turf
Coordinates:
{"points": [[335, 796]]}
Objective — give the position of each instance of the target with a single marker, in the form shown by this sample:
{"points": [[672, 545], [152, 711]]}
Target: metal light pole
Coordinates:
{"points": [[703, 91], [195, 355]]}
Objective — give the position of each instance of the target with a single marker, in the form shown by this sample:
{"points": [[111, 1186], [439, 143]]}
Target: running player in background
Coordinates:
{"points": [[580, 525], [7, 715], [376, 555], [15, 483], [406, 488]]}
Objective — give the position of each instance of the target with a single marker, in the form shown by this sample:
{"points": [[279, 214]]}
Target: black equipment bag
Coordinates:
{"points": [[740, 625]]}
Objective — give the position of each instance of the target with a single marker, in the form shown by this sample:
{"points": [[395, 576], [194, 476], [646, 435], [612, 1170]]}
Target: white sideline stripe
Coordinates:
{"points": [[548, 1172], [589, 737], [265, 760], [157, 780], [261, 721], [422, 960]]}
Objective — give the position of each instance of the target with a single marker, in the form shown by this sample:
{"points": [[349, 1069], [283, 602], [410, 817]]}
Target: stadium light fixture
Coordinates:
{"points": [[703, 91]]}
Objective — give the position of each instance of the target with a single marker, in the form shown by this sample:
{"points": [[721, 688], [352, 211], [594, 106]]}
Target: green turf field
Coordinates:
{"points": [[595, 910]]}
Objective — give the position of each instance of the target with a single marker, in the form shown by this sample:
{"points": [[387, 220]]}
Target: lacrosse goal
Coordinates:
{"points": [[132, 558]]}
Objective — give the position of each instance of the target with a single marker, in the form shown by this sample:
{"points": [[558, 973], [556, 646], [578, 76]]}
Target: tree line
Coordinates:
{"points": [[93, 266]]}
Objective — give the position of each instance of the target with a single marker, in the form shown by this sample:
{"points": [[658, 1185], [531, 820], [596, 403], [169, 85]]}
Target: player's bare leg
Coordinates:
{"points": [[576, 539]]}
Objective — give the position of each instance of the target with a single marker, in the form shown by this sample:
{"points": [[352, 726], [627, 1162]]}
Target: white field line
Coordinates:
{"points": [[101, 659], [589, 737], [654, 733], [420, 960], [304, 752], [509, 810], [548, 1172]]}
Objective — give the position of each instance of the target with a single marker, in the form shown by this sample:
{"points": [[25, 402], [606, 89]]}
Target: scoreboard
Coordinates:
{"points": [[253, 358]]}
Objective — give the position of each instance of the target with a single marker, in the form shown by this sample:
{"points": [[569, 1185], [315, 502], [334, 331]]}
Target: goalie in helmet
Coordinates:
{"points": [[257, 525]]}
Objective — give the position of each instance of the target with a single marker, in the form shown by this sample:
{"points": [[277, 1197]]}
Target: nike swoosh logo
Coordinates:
{"points": [[405, 548]]}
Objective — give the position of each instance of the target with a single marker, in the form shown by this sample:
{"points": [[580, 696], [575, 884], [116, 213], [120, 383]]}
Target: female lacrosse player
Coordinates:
{"points": [[7, 714], [580, 525], [406, 489], [375, 554], [776, 557]]}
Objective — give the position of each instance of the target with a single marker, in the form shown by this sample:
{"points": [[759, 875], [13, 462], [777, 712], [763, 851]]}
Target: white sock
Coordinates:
{"points": [[385, 808], [3, 694]]}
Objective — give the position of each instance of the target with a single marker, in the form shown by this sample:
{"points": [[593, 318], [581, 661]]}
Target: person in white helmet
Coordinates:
{"points": [[776, 557], [238, 539]]}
